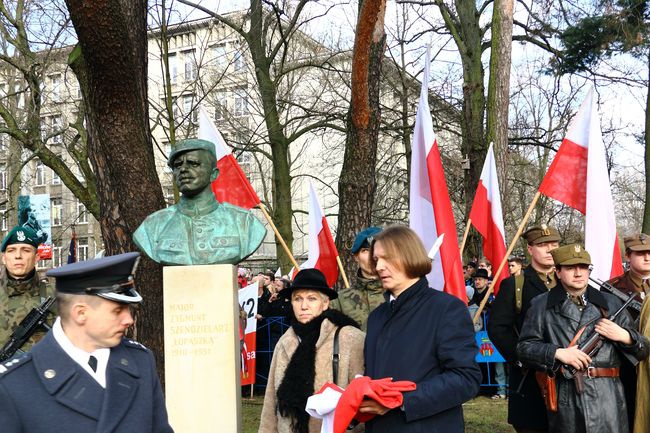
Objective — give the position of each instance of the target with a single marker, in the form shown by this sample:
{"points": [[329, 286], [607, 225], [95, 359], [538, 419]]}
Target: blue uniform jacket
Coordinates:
{"points": [[428, 338], [45, 391]]}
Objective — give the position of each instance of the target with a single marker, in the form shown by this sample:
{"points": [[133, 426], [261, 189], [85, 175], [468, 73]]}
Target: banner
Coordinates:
{"points": [[34, 212], [247, 334]]}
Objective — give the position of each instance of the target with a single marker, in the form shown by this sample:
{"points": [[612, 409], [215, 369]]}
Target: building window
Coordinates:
{"points": [[82, 249], [238, 61], [82, 214], [241, 105], [188, 102], [3, 217], [220, 105], [56, 179], [245, 160], [3, 177], [57, 256], [55, 82], [40, 173], [57, 211], [190, 65], [173, 68], [55, 128], [219, 55]]}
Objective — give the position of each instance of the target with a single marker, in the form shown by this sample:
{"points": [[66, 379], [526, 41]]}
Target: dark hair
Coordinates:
{"points": [[516, 260], [271, 275], [404, 249]]}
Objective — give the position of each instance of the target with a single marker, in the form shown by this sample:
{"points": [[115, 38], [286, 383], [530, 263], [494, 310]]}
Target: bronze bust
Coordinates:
{"points": [[198, 230]]}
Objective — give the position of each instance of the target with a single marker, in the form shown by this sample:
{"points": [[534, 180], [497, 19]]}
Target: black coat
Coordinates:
{"points": [[525, 405], [428, 339], [46, 391], [552, 322]]}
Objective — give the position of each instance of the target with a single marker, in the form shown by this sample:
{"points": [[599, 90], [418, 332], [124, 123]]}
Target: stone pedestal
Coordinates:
{"points": [[202, 357]]}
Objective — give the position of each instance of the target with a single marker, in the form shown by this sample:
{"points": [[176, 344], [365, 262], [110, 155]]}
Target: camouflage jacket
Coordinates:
{"points": [[17, 298], [358, 301]]}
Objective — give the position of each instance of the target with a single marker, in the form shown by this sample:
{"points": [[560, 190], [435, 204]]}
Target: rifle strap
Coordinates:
{"points": [[576, 337]]}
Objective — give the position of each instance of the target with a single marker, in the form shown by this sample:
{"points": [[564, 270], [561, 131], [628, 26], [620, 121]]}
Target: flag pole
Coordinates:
{"points": [[343, 275], [462, 244], [278, 235], [515, 238]]}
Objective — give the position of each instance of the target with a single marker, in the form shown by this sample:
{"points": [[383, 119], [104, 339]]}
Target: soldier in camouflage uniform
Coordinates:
{"points": [[358, 301], [21, 287]]}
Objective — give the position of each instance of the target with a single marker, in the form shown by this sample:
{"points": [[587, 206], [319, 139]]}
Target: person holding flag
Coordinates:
{"points": [[526, 410]]}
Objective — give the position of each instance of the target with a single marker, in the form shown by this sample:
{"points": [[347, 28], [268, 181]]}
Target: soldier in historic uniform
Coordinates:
{"points": [[359, 300], [21, 286], [526, 411], [198, 230], [84, 376], [587, 387], [634, 280]]}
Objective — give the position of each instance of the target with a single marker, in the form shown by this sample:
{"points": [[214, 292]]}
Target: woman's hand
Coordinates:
{"points": [[371, 406]]}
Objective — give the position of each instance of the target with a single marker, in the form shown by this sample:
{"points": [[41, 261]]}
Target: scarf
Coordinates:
{"points": [[298, 381]]}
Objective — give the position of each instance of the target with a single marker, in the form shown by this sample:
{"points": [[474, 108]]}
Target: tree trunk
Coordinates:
{"points": [[357, 182], [646, 139], [111, 65], [499, 88]]}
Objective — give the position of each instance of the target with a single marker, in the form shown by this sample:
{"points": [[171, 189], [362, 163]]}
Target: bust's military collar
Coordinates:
{"points": [[198, 206]]}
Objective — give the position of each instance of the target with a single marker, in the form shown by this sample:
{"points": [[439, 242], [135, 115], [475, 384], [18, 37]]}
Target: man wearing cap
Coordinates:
{"points": [[84, 376], [367, 294], [634, 280], [526, 411], [198, 230], [21, 287], [592, 400]]}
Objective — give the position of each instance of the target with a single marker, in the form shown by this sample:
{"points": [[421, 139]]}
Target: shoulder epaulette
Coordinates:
{"points": [[9, 366], [133, 343]]}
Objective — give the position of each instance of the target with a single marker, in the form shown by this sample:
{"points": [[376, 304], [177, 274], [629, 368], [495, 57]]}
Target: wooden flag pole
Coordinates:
{"points": [[462, 244], [278, 235], [515, 238], [345, 277]]}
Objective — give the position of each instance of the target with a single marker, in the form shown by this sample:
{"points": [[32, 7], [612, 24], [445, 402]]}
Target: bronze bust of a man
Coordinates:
{"points": [[198, 230]]}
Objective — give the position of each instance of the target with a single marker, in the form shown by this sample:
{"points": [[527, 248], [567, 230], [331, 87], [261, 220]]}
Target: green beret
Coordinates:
{"points": [[190, 144], [572, 254], [20, 235], [638, 242], [540, 234]]}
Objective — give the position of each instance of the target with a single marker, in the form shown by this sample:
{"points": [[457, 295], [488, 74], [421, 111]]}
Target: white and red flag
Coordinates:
{"points": [[322, 251], [232, 185], [247, 333], [429, 204], [578, 177], [487, 216]]}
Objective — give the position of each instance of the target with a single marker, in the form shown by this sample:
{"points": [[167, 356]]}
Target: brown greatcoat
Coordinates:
{"points": [[351, 363], [642, 414]]}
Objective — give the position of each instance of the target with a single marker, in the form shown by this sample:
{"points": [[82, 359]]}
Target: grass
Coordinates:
{"points": [[482, 415]]}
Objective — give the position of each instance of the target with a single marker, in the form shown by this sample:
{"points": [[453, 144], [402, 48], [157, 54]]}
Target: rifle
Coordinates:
{"points": [[592, 344], [635, 305], [26, 328]]}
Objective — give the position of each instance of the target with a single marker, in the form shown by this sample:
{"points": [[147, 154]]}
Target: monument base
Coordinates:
{"points": [[202, 356]]}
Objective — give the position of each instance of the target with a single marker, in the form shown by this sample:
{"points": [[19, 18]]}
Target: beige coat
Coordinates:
{"points": [[351, 363], [642, 414]]}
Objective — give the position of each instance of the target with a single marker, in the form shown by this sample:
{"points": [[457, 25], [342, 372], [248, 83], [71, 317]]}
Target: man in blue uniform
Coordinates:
{"points": [[84, 376]]}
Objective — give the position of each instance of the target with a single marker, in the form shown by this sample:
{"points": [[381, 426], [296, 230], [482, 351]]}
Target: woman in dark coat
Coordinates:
{"points": [[421, 335]]}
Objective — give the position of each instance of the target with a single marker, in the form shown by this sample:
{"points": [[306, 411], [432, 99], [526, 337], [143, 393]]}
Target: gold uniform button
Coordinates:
{"points": [[49, 374]]}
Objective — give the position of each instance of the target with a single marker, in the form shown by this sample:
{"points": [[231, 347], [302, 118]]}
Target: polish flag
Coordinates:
{"points": [[322, 251], [578, 177], [487, 216], [430, 208], [231, 186]]}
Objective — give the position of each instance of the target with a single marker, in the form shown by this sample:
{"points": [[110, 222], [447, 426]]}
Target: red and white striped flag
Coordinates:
{"points": [[322, 251], [487, 216], [578, 177], [232, 185], [430, 208]]}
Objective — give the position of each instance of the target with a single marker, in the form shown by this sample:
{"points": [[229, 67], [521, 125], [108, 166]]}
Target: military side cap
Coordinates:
{"points": [[638, 242], [540, 234], [572, 254], [20, 235], [109, 277], [190, 144], [364, 238]]}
